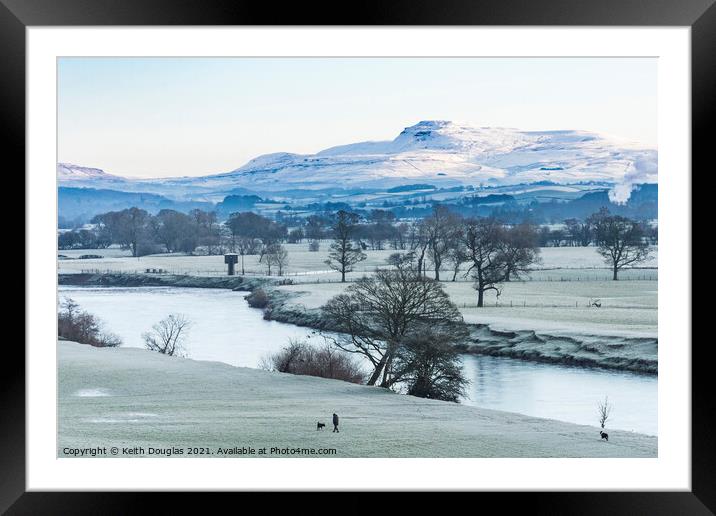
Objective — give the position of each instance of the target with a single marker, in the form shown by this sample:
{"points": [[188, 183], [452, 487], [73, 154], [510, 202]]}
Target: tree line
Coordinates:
{"points": [[491, 252], [578, 233], [482, 248]]}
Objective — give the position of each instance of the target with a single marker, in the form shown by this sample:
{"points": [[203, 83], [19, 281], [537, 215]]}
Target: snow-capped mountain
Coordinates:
{"points": [[67, 172], [442, 153]]}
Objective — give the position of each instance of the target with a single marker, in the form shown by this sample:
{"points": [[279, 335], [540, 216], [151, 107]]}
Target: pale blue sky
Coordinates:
{"points": [[158, 117]]}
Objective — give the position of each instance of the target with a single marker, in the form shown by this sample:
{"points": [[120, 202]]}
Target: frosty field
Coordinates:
{"points": [[128, 397], [628, 308], [304, 266]]}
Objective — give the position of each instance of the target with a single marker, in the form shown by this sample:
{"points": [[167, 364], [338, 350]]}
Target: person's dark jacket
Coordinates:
{"points": [[335, 419]]}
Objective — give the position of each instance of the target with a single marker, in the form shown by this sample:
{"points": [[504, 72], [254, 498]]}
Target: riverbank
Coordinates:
{"points": [[161, 280], [633, 353], [134, 399]]}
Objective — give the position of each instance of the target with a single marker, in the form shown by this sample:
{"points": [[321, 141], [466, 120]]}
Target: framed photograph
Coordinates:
{"points": [[427, 248]]}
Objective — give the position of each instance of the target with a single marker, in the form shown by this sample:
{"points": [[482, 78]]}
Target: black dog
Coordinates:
{"points": [[320, 425], [604, 435]]}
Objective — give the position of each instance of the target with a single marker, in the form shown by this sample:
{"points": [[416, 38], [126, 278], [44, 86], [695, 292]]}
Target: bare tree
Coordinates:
{"points": [[245, 245], [621, 240], [295, 236], [456, 256], [314, 227], [483, 240], [419, 242], [168, 336], [440, 230], [398, 239], [344, 255], [519, 249], [376, 314], [127, 227], [401, 259], [176, 231], [580, 233], [275, 255], [605, 409]]}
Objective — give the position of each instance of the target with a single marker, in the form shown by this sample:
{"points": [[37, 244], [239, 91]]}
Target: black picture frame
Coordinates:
{"points": [[700, 15]]}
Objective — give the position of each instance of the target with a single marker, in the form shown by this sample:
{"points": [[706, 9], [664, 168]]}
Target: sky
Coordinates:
{"points": [[167, 117]]}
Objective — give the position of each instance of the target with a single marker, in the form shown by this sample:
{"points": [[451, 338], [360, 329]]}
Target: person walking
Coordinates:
{"points": [[335, 422]]}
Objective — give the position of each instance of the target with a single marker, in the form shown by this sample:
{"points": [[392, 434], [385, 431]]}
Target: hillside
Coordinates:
{"points": [[84, 203], [123, 396]]}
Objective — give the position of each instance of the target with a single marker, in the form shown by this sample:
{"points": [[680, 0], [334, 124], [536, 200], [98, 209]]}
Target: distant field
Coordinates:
{"points": [[562, 263], [627, 307], [556, 297]]}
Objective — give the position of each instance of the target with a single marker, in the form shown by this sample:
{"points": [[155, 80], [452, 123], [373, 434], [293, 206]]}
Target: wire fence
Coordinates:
{"points": [[593, 304], [312, 278], [590, 303]]}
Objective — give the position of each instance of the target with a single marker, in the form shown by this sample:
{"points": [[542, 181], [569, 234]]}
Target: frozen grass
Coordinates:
{"points": [[301, 261], [612, 322], [574, 263], [160, 401], [581, 258], [628, 308]]}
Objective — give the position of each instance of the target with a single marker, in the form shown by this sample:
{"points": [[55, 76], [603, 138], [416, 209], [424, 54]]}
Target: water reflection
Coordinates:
{"points": [[560, 392]]}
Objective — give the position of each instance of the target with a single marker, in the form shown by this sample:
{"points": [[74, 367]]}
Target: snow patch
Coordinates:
{"points": [[127, 417], [110, 420], [92, 393]]}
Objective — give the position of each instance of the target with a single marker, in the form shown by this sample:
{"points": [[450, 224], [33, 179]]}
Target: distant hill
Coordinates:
{"points": [[236, 203], [434, 152], [83, 203]]}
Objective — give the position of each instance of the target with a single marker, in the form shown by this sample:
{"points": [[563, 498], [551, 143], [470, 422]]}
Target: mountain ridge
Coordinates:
{"points": [[438, 152]]}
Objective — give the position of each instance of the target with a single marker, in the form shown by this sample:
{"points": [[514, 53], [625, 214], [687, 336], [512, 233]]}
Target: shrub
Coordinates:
{"points": [[79, 326], [258, 299], [314, 246], [145, 248], [325, 362]]}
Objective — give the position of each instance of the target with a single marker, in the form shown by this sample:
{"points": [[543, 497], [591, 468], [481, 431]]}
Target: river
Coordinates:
{"points": [[225, 329]]}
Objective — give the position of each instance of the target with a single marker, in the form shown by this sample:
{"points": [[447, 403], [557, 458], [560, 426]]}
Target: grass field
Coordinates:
{"points": [[132, 397], [627, 307], [569, 263]]}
